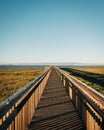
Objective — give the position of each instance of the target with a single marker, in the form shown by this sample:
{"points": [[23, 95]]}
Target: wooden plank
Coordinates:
{"points": [[55, 109]]}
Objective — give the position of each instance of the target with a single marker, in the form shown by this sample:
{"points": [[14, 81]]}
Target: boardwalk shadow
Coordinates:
{"points": [[63, 121], [55, 110]]}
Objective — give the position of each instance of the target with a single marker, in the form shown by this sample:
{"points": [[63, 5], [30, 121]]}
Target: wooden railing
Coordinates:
{"points": [[88, 102], [16, 112]]}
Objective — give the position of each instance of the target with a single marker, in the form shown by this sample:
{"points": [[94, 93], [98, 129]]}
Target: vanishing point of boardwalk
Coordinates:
{"points": [[55, 109], [53, 101]]}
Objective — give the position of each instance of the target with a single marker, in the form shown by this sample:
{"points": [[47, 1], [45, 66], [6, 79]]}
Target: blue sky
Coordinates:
{"points": [[62, 31]]}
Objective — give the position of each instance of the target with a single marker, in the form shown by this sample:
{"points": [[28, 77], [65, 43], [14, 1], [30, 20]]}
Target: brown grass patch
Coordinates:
{"points": [[12, 80], [99, 70]]}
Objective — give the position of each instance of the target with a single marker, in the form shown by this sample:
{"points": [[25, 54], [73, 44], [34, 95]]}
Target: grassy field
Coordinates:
{"points": [[97, 87], [94, 77], [99, 70], [12, 80]]}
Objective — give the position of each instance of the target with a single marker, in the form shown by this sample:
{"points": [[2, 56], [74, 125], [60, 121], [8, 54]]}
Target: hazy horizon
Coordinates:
{"points": [[56, 63], [52, 31]]}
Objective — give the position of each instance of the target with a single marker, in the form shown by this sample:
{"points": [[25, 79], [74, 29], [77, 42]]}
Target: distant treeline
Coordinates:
{"points": [[92, 77]]}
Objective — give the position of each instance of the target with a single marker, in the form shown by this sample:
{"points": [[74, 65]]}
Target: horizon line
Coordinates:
{"points": [[55, 63]]}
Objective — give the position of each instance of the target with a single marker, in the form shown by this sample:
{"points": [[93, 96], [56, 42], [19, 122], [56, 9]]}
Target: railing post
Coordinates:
{"points": [[16, 112], [90, 113], [103, 123]]}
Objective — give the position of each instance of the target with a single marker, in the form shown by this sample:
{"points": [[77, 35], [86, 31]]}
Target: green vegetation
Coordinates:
{"points": [[97, 87], [12, 80], [94, 80]]}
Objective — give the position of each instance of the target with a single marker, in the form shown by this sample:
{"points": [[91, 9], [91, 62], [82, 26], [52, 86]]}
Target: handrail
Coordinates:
{"points": [[16, 102], [88, 102], [94, 95]]}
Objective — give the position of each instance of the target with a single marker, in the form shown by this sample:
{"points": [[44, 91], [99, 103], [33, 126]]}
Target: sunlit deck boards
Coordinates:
{"points": [[55, 110]]}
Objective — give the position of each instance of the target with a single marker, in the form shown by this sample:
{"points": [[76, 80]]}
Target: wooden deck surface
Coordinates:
{"points": [[55, 110]]}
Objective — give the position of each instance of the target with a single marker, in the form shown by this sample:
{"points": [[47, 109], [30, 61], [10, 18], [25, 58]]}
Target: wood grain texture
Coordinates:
{"points": [[55, 110]]}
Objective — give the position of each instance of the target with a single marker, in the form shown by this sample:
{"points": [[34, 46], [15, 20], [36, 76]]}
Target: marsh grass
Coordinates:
{"points": [[99, 70], [13, 80], [92, 76], [97, 87]]}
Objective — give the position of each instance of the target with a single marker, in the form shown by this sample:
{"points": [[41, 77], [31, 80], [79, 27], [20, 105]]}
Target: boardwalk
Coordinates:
{"points": [[55, 109]]}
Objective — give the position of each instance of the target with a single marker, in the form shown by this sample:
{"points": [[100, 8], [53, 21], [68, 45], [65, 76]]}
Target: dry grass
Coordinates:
{"points": [[12, 80], [97, 87], [99, 70], [94, 79]]}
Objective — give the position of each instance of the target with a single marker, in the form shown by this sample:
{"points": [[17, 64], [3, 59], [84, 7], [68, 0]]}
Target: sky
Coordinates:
{"points": [[51, 31]]}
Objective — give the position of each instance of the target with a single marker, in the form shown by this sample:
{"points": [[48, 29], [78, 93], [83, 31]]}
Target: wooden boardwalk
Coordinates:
{"points": [[55, 110]]}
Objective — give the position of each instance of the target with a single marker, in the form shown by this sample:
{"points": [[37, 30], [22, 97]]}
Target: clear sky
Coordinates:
{"points": [[37, 31]]}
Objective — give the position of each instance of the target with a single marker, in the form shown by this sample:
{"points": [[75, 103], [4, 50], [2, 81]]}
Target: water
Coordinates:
{"points": [[16, 67]]}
